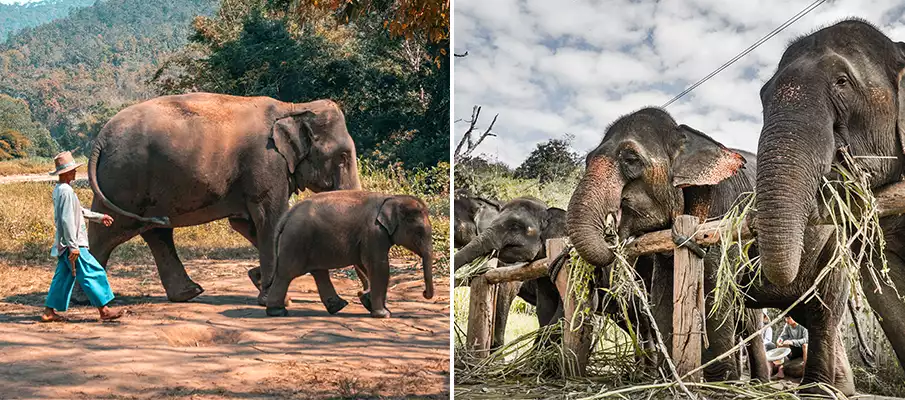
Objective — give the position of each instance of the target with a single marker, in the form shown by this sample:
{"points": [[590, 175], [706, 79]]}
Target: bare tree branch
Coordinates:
{"points": [[465, 54], [468, 139]]}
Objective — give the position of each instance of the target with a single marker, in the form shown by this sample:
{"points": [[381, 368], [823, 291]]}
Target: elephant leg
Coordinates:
{"points": [[277, 298], [172, 273], [247, 230], [548, 302], [889, 309], [757, 359], [844, 379], [103, 240], [265, 215], [506, 293], [821, 350], [379, 273], [327, 292]]}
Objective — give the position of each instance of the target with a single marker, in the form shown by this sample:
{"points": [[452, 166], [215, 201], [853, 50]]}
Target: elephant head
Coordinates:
{"points": [[837, 87], [319, 152], [518, 233], [472, 216], [405, 218], [644, 173]]}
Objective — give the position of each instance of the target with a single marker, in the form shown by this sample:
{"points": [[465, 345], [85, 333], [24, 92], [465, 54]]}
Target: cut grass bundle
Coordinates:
{"points": [[478, 266], [581, 282], [850, 205], [729, 293]]}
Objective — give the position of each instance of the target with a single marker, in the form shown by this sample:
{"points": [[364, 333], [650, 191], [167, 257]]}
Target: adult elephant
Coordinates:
{"points": [[186, 160], [472, 216], [840, 86], [646, 171], [519, 234]]}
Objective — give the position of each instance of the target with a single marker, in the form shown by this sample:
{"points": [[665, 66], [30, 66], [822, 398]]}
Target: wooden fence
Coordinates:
{"points": [[688, 274]]}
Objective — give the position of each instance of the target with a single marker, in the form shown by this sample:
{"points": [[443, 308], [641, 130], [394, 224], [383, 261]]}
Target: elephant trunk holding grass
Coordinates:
{"points": [[646, 171], [185, 160], [839, 87], [337, 229]]}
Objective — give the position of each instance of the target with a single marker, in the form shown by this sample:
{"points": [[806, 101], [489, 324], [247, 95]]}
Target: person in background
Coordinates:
{"points": [[74, 262], [795, 337], [768, 333]]}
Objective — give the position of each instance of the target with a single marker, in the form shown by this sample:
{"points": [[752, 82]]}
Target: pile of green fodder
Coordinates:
{"points": [[848, 205]]}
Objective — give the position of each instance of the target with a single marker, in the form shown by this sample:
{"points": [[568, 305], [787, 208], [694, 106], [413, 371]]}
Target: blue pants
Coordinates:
{"points": [[88, 273]]}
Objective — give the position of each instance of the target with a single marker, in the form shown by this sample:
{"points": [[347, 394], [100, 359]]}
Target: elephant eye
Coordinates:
{"points": [[631, 163], [841, 81]]}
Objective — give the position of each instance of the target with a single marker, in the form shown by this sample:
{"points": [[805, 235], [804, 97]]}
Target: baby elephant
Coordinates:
{"points": [[341, 228]]}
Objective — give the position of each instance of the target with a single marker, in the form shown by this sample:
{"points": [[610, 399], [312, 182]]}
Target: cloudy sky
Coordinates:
{"points": [[573, 66]]}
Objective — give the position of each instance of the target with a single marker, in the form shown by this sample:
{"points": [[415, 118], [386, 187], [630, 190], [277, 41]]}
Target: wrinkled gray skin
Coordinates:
{"points": [[645, 172], [840, 86], [337, 229], [186, 160], [519, 234], [472, 216]]}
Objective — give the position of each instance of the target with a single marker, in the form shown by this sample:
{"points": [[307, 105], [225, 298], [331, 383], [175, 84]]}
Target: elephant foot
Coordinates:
{"points": [[366, 300], [384, 313], [277, 312], [189, 292], [262, 300], [335, 304], [255, 275]]}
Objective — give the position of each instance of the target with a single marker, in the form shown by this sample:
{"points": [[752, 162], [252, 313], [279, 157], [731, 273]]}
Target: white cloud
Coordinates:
{"points": [[556, 67]]}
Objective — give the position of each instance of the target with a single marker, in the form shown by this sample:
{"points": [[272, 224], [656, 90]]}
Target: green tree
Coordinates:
{"points": [[394, 94], [550, 161], [22, 134]]}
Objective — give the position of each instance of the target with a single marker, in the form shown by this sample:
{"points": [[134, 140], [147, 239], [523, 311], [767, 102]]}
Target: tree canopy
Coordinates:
{"points": [[551, 160], [394, 92]]}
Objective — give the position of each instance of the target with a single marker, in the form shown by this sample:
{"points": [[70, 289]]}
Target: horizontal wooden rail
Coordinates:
{"points": [[890, 199]]}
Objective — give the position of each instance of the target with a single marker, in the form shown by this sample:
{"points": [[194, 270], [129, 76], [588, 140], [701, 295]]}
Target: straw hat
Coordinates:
{"points": [[64, 163]]}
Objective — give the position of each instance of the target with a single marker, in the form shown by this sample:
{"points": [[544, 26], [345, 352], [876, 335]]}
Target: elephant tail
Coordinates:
{"points": [[95, 187]]}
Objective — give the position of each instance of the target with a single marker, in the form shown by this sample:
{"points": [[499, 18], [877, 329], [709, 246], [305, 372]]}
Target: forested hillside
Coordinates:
{"points": [[15, 17], [77, 71], [385, 62]]}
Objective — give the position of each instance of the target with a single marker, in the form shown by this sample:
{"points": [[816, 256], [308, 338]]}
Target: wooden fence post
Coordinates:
{"points": [[576, 342], [482, 301], [686, 318]]}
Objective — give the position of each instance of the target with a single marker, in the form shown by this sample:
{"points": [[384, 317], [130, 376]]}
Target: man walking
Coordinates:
{"points": [[74, 262]]}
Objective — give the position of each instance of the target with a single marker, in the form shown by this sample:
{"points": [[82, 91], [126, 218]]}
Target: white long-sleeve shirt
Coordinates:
{"points": [[69, 218], [768, 335]]}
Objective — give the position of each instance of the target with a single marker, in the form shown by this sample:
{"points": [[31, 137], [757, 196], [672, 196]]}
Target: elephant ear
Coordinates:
{"points": [[292, 136], [900, 96], [554, 223], [387, 215], [700, 160]]}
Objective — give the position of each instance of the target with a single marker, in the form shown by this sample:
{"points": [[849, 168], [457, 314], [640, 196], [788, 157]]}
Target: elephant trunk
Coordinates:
{"points": [[481, 245], [427, 262], [792, 156], [348, 179], [594, 211]]}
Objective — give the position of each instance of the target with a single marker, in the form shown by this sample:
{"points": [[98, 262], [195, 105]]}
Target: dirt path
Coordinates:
{"points": [[80, 176], [221, 345]]}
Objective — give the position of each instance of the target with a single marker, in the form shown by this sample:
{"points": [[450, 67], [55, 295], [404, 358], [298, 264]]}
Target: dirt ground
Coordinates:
{"points": [[221, 345]]}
